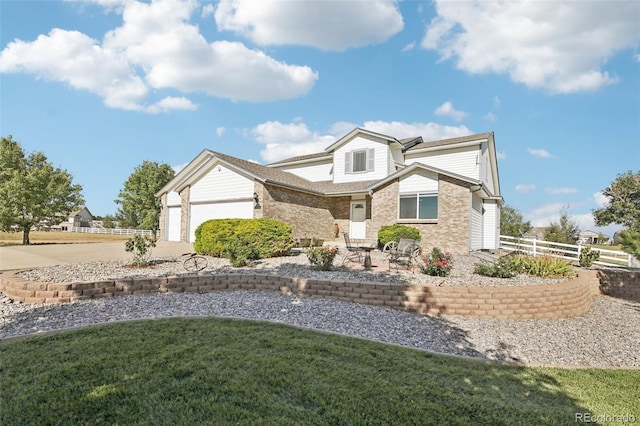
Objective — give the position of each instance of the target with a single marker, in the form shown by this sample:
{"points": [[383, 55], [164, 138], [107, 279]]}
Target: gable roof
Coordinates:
{"points": [[478, 138], [359, 130], [208, 159], [303, 158]]}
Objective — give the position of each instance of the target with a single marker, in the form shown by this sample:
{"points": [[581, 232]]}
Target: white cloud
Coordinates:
{"points": [[172, 103], [548, 213], [560, 191], [428, 131], [490, 117], [447, 110], [295, 138], [539, 153], [496, 101], [523, 188], [326, 25], [220, 131], [208, 10], [559, 46], [600, 199], [288, 140], [501, 155], [409, 47], [156, 48]]}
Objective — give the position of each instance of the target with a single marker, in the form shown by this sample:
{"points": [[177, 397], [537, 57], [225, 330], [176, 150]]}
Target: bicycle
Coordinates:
{"points": [[194, 262]]}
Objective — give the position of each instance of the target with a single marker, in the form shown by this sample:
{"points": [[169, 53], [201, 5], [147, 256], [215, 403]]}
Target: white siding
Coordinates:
{"points": [[395, 156], [463, 161], [476, 222], [221, 183], [486, 171], [419, 181], [491, 225], [173, 198], [172, 224], [315, 172], [203, 212], [380, 166]]}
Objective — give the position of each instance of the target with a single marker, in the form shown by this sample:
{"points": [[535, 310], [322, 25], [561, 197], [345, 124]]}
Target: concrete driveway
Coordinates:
{"points": [[35, 256]]}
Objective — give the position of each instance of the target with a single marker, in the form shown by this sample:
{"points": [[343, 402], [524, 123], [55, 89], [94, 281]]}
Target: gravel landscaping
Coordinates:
{"points": [[607, 336]]}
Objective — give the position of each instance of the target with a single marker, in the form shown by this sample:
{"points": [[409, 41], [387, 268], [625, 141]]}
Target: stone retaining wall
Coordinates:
{"points": [[621, 283], [566, 299]]}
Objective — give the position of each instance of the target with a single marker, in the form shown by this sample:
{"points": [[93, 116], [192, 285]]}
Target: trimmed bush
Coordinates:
{"points": [[246, 239], [395, 232], [213, 236]]}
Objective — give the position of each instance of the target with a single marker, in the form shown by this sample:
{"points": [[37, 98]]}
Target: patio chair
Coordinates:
{"points": [[403, 252], [352, 251]]}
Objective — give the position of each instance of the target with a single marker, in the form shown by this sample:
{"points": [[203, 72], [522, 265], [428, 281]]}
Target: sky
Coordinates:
{"points": [[100, 86]]}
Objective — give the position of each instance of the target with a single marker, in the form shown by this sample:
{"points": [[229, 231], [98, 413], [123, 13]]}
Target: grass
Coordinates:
{"points": [[46, 237], [222, 371]]}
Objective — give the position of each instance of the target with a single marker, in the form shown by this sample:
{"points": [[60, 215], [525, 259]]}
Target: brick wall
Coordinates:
{"points": [[309, 215], [505, 302], [620, 283], [185, 199], [450, 232]]}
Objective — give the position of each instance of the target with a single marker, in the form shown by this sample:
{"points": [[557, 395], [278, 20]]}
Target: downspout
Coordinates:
{"points": [[371, 224]]}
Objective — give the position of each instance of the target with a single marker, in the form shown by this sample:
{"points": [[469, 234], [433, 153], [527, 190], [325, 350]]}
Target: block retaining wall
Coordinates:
{"points": [[621, 283], [551, 301]]}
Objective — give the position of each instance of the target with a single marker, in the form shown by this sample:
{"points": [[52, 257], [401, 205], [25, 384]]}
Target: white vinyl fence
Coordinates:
{"points": [[572, 252], [112, 231]]}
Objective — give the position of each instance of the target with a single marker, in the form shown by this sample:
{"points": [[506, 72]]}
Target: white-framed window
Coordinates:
{"points": [[359, 161], [418, 206]]}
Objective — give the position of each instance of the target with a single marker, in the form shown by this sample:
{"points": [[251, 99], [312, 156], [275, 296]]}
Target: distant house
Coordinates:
{"points": [[536, 233], [448, 189], [77, 219], [591, 237]]}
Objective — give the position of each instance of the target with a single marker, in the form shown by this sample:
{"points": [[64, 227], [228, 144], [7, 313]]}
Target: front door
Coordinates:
{"points": [[357, 228]]}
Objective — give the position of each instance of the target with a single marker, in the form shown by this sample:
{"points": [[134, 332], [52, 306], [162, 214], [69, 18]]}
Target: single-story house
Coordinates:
{"points": [[448, 189], [591, 237]]}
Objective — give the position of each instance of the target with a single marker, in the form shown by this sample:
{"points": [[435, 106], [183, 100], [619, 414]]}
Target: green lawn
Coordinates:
{"points": [[220, 371]]}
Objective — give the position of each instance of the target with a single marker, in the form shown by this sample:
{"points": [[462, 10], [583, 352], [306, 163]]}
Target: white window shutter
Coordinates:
{"points": [[370, 159], [347, 163]]}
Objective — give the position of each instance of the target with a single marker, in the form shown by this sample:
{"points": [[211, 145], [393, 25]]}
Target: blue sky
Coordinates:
{"points": [[99, 86]]}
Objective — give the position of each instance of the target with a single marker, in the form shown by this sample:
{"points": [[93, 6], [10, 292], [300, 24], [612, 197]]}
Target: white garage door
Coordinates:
{"points": [[173, 224], [203, 212]]}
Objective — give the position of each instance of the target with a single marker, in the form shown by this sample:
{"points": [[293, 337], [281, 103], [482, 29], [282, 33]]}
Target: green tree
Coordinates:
{"points": [[623, 208], [139, 206], [32, 191], [564, 231], [110, 221], [512, 223]]}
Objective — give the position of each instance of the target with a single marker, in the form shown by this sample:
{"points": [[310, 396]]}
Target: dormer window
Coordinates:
{"points": [[359, 161]]}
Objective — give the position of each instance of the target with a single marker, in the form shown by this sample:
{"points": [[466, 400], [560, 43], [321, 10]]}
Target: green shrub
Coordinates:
{"points": [[141, 248], [504, 267], [588, 256], [270, 237], [322, 257], [212, 236], [543, 266], [395, 232], [222, 237], [241, 251]]}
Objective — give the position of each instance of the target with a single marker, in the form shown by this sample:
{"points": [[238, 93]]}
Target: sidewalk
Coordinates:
{"points": [[35, 256]]}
